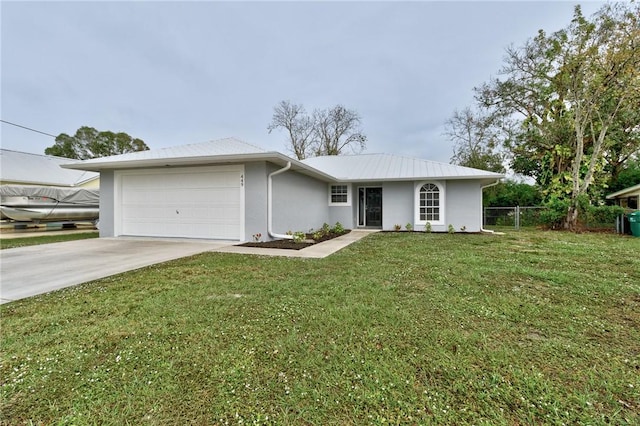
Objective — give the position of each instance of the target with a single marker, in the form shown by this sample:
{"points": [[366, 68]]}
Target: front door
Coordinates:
{"points": [[370, 207]]}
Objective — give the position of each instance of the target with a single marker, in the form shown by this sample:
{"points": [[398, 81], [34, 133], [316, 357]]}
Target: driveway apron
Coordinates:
{"points": [[32, 270]]}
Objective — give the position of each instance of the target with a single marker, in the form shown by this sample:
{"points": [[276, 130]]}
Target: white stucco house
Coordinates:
{"points": [[232, 190]]}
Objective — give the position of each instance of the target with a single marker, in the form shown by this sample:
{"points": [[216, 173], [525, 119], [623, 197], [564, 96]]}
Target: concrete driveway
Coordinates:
{"points": [[28, 271]]}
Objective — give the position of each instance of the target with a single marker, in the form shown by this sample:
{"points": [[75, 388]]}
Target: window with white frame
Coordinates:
{"points": [[339, 195], [429, 203]]}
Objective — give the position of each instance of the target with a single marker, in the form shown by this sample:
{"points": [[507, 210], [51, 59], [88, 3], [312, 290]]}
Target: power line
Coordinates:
{"points": [[28, 128]]}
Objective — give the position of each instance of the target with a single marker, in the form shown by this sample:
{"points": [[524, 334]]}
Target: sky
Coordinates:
{"points": [[174, 73]]}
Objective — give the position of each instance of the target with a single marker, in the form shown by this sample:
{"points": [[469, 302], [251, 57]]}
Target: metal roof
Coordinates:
{"points": [[379, 167], [222, 151], [364, 167], [36, 169], [216, 148]]}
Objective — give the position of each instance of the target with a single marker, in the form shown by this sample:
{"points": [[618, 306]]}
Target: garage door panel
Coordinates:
{"points": [[191, 204]]}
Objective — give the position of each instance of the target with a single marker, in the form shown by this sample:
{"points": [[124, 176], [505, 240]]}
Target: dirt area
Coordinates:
{"points": [[292, 245]]}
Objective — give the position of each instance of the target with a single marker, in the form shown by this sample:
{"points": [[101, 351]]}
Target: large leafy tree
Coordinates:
{"points": [[571, 90], [90, 143], [325, 132]]}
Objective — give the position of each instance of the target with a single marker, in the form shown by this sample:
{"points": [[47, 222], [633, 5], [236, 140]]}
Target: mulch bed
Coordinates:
{"points": [[291, 245]]}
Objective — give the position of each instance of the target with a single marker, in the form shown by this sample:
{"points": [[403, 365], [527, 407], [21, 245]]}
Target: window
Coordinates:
{"points": [[429, 203], [339, 194]]}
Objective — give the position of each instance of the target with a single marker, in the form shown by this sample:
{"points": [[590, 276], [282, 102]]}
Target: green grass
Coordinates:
{"points": [[398, 328], [8, 243]]}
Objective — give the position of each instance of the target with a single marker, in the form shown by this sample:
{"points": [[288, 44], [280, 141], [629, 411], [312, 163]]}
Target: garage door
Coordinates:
{"points": [[199, 202]]}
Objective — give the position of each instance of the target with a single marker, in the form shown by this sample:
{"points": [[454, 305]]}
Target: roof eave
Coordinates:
{"points": [[623, 192], [416, 178]]}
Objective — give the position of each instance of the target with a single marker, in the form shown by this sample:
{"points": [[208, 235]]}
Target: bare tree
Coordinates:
{"points": [[294, 119], [476, 137], [326, 132], [337, 129]]}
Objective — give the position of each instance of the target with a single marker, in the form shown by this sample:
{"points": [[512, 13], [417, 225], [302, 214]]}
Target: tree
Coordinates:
{"points": [[337, 129], [570, 89], [90, 143], [326, 132], [476, 136], [294, 119]]}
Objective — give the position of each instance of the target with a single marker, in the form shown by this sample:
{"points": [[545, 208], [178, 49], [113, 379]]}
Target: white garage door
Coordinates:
{"points": [[198, 202]]}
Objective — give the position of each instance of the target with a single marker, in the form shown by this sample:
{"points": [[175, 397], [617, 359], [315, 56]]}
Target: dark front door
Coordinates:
{"points": [[370, 207]]}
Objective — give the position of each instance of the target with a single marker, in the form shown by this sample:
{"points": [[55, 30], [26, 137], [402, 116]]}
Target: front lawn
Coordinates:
{"points": [[398, 328], [6, 243]]}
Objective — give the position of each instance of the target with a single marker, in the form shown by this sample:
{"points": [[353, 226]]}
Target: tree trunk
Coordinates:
{"points": [[571, 221]]}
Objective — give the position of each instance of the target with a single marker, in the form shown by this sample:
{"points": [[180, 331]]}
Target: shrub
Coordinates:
{"points": [[408, 226], [299, 237], [338, 228], [397, 227], [427, 227], [451, 229], [555, 213], [605, 215]]}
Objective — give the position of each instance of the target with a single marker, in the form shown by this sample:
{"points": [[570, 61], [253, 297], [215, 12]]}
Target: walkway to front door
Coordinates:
{"points": [[370, 207]]}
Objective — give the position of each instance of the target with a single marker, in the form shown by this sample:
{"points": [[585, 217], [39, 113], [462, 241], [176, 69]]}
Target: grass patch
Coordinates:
{"points": [[8, 243], [398, 328]]}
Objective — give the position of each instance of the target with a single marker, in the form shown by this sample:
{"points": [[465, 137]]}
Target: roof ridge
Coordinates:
{"points": [[230, 138]]}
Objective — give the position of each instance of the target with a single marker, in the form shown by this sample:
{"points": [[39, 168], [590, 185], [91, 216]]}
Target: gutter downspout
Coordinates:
{"points": [[489, 231], [270, 204]]}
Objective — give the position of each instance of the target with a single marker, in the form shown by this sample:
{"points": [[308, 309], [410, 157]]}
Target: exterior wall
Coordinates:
{"points": [[91, 184], [299, 202], [255, 197], [107, 204], [464, 205], [344, 214], [397, 204]]}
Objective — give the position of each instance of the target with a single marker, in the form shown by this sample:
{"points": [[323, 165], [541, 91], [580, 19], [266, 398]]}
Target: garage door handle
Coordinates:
{"points": [[177, 212]]}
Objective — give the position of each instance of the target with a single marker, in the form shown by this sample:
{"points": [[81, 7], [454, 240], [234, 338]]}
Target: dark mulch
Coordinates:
{"points": [[291, 245]]}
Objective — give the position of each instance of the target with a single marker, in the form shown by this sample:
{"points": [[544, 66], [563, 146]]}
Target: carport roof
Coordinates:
{"points": [[626, 191], [36, 169]]}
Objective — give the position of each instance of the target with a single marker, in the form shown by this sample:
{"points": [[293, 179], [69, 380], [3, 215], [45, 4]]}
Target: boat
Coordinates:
{"points": [[24, 203]]}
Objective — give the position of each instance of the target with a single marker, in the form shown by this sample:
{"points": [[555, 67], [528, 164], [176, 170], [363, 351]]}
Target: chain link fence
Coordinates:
{"points": [[518, 217]]}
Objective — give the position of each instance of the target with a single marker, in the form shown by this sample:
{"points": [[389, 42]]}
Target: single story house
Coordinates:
{"points": [[232, 190], [629, 198]]}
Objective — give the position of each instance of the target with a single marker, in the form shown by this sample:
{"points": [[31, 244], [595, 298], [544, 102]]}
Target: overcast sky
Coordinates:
{"points": [[173, 73]]}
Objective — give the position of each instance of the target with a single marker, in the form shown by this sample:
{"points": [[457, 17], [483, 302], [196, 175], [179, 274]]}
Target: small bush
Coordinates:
{"points": [[605, 215], [397, 227], [299, 237], [555, 213], [409, 226], [428, 228], [338, 228], [451, 229]]}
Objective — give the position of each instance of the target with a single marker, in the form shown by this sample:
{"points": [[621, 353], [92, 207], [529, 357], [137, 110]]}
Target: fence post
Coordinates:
{"points": [[517, 224]]}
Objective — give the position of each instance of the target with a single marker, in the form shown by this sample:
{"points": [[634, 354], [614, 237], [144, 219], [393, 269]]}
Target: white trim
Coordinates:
{"points": [[118, 193], [349, 192], [442, 203]]}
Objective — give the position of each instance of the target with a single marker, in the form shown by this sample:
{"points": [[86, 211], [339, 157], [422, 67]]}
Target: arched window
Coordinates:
{"points": [[430, 203]]}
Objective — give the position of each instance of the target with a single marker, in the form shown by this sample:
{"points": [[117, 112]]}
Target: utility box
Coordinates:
{"points": [[634, 223]]}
